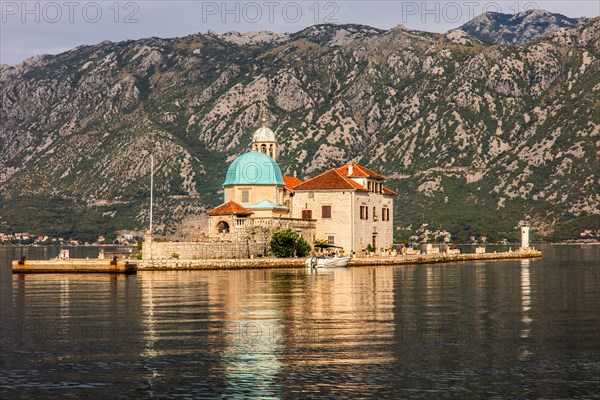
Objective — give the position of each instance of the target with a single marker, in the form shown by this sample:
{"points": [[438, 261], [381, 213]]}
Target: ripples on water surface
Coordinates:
{"points": [[506, 329]]}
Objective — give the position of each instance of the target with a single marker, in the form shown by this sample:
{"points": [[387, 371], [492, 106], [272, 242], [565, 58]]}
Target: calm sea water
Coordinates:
{"points": [[504, 329]]}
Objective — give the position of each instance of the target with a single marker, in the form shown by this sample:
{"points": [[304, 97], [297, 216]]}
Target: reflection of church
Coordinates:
{"points": [[348, 206]]}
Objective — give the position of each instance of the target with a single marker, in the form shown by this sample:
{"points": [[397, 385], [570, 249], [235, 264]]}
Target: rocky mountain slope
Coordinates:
{"points": [[472, 135], [518, 29]]}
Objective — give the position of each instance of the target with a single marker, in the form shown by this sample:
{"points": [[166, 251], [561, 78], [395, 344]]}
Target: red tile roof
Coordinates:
{"points": [[388, 191], [291, 182], [331, 179], [231, 207], [359, 170]]}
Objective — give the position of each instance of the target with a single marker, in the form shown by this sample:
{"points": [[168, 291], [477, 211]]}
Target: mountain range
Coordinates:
{"points": [[520, 28], [473, 135]]}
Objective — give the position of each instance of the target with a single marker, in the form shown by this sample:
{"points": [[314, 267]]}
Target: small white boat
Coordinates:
{"points": [[327, 262]]}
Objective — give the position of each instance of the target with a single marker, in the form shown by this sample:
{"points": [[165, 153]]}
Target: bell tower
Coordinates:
{"points": [[264, 141]]}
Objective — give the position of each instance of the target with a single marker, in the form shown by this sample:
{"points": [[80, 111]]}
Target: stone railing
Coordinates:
{"points": [[283, 223]]}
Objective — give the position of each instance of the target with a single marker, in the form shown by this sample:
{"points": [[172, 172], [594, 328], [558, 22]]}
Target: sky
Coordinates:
{"points": [[29, 28]]}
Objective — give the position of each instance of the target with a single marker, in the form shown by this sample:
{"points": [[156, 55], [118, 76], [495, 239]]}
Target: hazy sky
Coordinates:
{"points": [[35, 27]]}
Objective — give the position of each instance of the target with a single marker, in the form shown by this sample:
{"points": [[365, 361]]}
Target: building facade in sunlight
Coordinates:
{"points": [[348, 206]]}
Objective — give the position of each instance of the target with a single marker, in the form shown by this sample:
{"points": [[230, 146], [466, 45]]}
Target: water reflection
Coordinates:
{"points": [[64, 300], [525, 298], [493, 328], [250, 336], [149, 335]]}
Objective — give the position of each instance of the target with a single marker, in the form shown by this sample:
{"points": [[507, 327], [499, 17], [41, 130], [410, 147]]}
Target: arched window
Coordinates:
{"points": [[271, 151], [263, 149], [223, 227]]}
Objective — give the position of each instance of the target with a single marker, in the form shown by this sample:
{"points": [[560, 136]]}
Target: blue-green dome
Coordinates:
{"points": [[253, 168]]}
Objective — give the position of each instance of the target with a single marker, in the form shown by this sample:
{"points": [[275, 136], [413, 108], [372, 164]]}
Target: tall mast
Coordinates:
{"points": [[151, 188]]}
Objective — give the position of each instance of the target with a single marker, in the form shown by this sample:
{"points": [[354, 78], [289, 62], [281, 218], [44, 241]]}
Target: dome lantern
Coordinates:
{"points": [[264, 141]]}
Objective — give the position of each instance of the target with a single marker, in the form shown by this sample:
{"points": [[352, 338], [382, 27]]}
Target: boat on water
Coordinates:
{"points": [[327, 262]]}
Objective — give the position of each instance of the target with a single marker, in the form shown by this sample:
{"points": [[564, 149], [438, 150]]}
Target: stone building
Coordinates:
{"points": [[257, 196], [348, 206], [351, 205]]}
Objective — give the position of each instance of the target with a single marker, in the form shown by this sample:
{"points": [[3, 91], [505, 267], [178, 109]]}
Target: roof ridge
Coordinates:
{"points": [[322, 173], [292, 181], [314, 177], [362, 168], [345, 178], [367, 171], [234, 208]]}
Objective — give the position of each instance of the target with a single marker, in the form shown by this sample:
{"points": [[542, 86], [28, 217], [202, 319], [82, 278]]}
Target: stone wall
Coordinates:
{"points": [[153, 250], [269, 262], [74, 266]]}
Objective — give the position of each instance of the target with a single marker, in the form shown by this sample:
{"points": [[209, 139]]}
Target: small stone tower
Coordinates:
{"points": [[264, 141], [524, 225]]}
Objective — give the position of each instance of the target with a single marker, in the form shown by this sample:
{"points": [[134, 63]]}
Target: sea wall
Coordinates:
{"points": [[153, 250], [125, 266], [270, 262], [73, 266]]}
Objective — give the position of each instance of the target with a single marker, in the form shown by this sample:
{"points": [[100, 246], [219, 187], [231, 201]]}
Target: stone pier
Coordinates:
{"points": [[74, 266], [271, 262]]}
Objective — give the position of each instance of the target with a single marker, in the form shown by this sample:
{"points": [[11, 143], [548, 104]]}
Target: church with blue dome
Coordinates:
{"points": [[256, 193], [347, 206]]}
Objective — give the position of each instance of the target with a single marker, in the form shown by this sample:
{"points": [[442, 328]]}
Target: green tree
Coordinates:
{"points": [[288, 243], [302, 247]]}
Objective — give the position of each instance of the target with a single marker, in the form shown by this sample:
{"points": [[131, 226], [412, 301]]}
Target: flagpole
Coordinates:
{"points": [[151, 188]]}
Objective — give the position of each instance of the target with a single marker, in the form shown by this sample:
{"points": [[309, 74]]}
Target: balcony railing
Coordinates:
{"points": [[266, 222]]}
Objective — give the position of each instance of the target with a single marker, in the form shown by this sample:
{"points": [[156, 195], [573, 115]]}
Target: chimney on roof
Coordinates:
{"points": [[295, 175], [350, 168]]}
